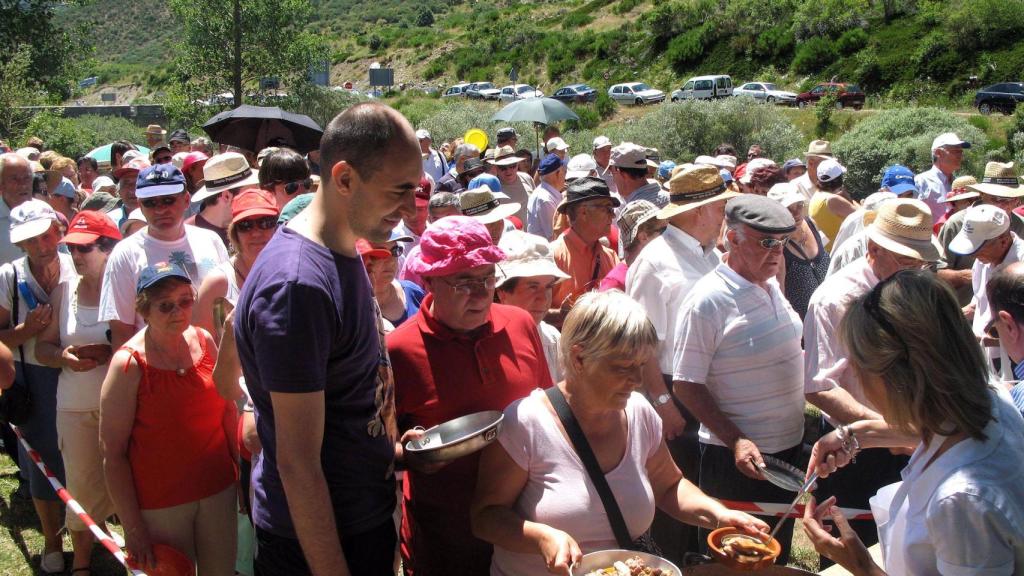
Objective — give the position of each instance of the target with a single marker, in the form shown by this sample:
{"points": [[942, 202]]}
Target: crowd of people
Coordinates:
{"points": [[227, 351]]}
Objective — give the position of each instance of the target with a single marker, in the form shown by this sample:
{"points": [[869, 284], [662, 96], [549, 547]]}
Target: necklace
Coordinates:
{"points": [[160, 349]]}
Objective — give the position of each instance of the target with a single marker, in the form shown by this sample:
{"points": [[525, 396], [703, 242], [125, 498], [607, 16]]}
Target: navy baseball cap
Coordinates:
{"points": [[899, 180], [549, 164], [159, 271], [159, 180]]}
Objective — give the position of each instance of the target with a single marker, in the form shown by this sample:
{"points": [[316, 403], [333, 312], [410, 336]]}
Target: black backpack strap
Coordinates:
{"points": [[14, 310], [586, 454]]}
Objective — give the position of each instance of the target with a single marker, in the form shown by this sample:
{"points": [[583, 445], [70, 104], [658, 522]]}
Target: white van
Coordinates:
{"points": [[704, 88]]}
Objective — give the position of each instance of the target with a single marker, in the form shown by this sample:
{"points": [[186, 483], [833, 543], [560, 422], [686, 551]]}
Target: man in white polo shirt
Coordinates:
{"points": [[738, 365], [899, 238], [933, 184]]}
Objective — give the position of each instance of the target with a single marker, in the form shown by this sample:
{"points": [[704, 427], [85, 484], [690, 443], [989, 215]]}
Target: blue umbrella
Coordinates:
{"points": [[102, 154]]}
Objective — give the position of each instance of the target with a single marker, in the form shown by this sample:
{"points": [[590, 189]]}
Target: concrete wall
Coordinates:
{"points": [[141, 115]]}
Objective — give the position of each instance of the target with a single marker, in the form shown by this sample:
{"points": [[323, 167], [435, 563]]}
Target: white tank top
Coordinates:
{"points": [[80, 391]]}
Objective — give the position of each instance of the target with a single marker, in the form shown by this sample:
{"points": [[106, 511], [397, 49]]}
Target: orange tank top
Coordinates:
{"points": [[178, 449]]}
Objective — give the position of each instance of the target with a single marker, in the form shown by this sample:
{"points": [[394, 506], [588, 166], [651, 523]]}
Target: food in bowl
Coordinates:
{"points": [[745, 549], [634, 566]]}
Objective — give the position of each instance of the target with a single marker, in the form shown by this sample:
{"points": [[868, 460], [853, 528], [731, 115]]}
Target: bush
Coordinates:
{"points": [[589, 118], [604, 105], [813, 55], [823, 114], [74, 137], [851, 41], [682, 131], [453, 119], [574, 20], [686, 48], [902, 136], [1013, 131]]}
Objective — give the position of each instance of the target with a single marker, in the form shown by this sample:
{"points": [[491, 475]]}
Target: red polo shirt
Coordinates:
{"points": [[441, 375]]}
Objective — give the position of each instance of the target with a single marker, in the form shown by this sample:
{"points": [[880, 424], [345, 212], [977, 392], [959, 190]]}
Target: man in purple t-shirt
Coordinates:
{"points": [[310, 341]]}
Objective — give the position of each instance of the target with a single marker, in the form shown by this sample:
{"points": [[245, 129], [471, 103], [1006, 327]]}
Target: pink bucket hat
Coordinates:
{"points": [[454, 244]]}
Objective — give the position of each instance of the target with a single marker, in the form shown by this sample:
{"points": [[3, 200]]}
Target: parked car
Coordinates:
{"points": [[514, 92], [482, 91], [765, 92], [999, 97], [635, 93], [575, 93], [848, 95], [704, 88], [455, 90]]}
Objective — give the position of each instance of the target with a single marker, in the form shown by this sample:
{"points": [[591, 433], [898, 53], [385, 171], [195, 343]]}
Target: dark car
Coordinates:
{"points": [[575, 93], [999, 97], [847, 95]]}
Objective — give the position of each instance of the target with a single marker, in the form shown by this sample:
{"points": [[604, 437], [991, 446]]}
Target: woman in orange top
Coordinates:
{"points": [[168, 438]]}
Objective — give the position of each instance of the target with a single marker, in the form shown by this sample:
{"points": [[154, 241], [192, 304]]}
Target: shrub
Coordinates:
{"points": [[589, 118], [902, 136], [436, 68], [823, 114], [1013, 131], [574, 20], [681, 131], [814, 54], [604, 105], [686, 48], [625, 6], [851, 41], [74, 137]]}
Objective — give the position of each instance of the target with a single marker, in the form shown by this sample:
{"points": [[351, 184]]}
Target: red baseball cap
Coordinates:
{"points": [[88, 225], [253, 202], [191, 159], [366, 250], [423, 193]]}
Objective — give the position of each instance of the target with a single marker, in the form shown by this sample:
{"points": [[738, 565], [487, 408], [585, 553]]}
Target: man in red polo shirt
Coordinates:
{"points": [[458, 355]]}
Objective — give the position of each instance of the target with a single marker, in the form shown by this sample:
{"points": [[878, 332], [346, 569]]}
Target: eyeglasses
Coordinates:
{"points": [[467, 287], [80, 248], [772, 243], [268, 223], [168, 306], [293, 187], [159, 201], [397, 250]]}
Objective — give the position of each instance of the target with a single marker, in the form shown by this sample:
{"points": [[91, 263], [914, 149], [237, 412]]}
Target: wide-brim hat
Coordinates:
{"points": [[224, 172], [692, 187], [486, 206], [155, 130], [904, 226], [820, 148], [1000, 180], [504, 156], [958, 189], [454, 244], [526, 255], [584, 189]]}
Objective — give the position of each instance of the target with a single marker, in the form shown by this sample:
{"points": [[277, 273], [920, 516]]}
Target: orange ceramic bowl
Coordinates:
{"points": [[169, 562], [715, 544]]}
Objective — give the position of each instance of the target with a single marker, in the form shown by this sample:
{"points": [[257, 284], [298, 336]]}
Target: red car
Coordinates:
{"points": [[849, 95]]}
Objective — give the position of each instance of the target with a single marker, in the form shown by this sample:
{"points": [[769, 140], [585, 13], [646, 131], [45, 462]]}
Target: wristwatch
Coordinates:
{"points": [[660, 400]]}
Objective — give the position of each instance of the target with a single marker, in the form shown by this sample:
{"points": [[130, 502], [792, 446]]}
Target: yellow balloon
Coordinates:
{"points": [[476, 137]]}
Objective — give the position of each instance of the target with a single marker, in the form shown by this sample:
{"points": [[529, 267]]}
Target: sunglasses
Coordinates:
{"points": [[268, 223], [168, 306], [771, 243], [293, 187], [158, 201], [80, 248]]}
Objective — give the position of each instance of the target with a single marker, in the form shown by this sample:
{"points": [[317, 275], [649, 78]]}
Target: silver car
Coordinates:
{"points": [[635, 93], [514, 92], [765, 92]]}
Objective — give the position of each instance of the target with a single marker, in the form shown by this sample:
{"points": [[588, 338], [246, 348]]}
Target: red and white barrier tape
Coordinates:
{"points": [[73, 504], [769, 509]]}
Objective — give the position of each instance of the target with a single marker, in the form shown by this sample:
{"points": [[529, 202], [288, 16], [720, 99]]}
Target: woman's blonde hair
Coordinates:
{"points": [[910, 332], [607, 324]]}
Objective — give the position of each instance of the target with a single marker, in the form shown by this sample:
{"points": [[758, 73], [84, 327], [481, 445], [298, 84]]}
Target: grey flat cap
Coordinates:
{"points": [[760, 213]]}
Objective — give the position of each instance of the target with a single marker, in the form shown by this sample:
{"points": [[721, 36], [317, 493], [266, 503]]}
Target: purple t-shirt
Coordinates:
{"points": [[307, 322]]}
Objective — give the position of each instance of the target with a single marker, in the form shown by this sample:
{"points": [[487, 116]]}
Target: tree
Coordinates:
{"points": [[56, 53], [16, 90], [228, 45]]}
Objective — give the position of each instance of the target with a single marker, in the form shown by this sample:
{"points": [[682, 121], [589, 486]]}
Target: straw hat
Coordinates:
{"points": [[958, 189], [224, 172], [694, 186], [486, 206], [820, 148], [155, 130], [904, 226], [504, 156], [1000, 180]]}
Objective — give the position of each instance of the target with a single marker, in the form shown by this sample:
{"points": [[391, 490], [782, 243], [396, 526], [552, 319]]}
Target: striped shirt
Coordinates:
{"points": [[743, 343]]}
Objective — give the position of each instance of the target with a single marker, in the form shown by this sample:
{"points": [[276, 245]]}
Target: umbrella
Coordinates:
{"points": [[102, 154], [536, 110], [255, 127]]}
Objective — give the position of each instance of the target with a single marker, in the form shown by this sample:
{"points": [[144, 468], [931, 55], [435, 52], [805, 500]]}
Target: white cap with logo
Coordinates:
{"points": [[981, 224]]}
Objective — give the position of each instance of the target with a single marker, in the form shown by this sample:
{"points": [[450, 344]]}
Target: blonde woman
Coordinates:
{"points": [[535, 501], [960, 507]]}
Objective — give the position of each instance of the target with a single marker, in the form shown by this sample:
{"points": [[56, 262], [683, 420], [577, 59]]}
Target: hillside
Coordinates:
{"points": [[922, 50]]}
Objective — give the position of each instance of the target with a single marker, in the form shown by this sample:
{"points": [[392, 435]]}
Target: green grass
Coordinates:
{"points": [[21, 542]]}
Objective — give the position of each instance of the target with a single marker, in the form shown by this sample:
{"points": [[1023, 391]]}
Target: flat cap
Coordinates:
{"points": [[760, 213]]}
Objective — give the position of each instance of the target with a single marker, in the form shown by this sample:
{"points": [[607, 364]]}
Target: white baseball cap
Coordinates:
{"points": [[601, 142], [556, 143], [785, 193], [423, 134], [30, 219], [981, 223], [830, 169], [949, 139], [579, 166]]}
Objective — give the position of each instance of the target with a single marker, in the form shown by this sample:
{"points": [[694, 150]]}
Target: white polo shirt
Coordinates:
{"points": [[661, 277], [932, 187], [743, 343], [826, 365], [980, 275]]}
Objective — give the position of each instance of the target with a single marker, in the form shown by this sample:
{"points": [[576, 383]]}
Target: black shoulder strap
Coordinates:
{"points": [[14, 310], [583, 450]]}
